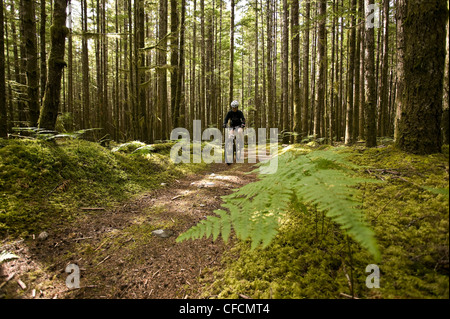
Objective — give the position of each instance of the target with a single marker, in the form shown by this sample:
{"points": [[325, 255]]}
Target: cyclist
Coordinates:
{"points": [[236, 116], [237, 122]]}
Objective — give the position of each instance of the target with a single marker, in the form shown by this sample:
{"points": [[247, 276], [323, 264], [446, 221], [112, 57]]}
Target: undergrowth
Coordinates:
{"points": [[43, 184], [312, 257]]}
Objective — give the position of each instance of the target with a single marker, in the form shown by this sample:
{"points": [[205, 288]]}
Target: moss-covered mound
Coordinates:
{"points": [[42, 183], [311, 257]]}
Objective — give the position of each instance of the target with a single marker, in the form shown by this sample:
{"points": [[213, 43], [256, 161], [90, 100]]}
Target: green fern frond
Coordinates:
{"points": [[323, 178]]}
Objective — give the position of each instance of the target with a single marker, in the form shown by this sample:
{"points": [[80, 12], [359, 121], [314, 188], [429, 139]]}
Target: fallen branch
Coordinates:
{"points": [[81, 238], [107, 257], [347, 296]]}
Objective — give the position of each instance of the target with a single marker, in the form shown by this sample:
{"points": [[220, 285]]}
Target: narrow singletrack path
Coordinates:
{"points": [[116, 251]]}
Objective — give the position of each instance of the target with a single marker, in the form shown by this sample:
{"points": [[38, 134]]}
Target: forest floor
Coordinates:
{"points": [[115, 250], [81, 204]]}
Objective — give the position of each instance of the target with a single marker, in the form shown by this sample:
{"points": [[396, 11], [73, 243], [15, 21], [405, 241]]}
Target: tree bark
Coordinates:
{"points": [[162, 73], [3, 108], [270, 81], [174, 40], [424, 31], [70, 72], [361, 97], [384, 99], [257, 105], [29, 26], [370, 102], [143, 119], [320, 107], [179, 100], [445, 115], [231, 88], [285, 72], [56, 63], [351, 69], [85, 66], [296, 67], [42, 36]]}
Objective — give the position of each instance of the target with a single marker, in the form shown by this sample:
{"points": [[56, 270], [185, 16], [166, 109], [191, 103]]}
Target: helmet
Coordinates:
{"points": [[234, 104]]}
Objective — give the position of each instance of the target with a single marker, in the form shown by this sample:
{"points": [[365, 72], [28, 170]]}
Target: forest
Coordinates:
{"points": [[91, 91]]}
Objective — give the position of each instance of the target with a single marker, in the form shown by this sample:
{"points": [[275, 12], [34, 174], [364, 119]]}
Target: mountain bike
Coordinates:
{"points": [[234, 148]]}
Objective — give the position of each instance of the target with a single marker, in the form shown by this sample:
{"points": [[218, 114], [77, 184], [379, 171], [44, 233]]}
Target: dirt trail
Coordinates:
{"points": [[117, 253]]}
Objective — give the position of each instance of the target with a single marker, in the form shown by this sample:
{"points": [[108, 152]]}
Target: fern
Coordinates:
{"points": [[323, 178]]}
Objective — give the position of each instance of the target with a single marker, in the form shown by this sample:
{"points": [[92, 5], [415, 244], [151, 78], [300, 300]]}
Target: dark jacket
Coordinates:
{"points": [[237, 118]]}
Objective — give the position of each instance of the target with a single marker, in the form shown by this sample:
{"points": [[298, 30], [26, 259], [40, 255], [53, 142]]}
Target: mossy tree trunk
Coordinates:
{"points": [[295, 56], [319, 130], [3, 116], [29, 26], [351, 67], [424, 32], [285, 72], [162, 100], [370, 102], [399, 68], [231, 87], [85, 118], [445, 123], [174, 41], [43, 54], [56, 63]]}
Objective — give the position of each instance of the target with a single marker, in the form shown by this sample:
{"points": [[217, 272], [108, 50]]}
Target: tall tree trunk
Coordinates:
{"points": [[285, 72], [10, 112], [270, 79], [361, 75], [99, 120], [85, 66], [351, 69], [424, 32], [162, 61], [312, 106], [369, 78], [106, 114], [3, 108], [174, 40], [305, 113], [356, 96], [257, 97], [143, 119], [42, 36], [334, 71], [231, 88], [384, 99], [320, 107], [70, 70], [296, 68], [193, 99], [203, 65], [29, 25], [56, 63], [22, 63], [179, 101], [445, 114]]}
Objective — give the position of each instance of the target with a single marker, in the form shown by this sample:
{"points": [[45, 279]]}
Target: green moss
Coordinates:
{"points": [[42, 183], [311, 258]]}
